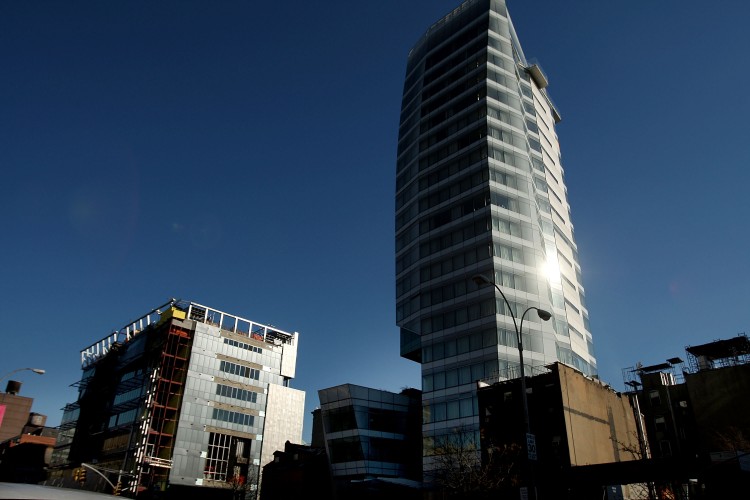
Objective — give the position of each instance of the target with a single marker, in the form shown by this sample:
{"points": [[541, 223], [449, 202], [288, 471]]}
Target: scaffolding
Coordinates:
{"points": [[670, 372], [719, 354], [154, 454]]}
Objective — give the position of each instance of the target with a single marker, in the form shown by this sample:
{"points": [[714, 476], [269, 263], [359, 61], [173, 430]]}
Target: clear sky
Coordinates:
{"points": [[242, 155]]}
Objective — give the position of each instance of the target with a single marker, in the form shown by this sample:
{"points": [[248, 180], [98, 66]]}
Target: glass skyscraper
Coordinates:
{"points": [[480, 189]]}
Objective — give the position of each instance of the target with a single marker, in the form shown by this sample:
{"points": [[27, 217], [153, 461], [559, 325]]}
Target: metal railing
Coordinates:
{"points": [[194, 312]]}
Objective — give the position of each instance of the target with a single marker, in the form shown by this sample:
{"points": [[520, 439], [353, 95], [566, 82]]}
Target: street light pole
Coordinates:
{"points": [[480, 280], [38, 371], [523, 375]]}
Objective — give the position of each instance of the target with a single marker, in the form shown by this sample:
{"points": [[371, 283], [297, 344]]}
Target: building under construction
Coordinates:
{"points": [[183, 397]]}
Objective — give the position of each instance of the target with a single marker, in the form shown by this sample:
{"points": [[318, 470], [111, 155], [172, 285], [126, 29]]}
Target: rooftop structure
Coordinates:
{"points": [[734, 351]]}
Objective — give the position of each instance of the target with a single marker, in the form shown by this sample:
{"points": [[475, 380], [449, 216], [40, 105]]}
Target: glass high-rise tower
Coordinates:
{"points": [[480, 189]]}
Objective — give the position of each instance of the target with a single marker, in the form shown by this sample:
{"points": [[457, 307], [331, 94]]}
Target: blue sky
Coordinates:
{"points": [[242, 155]]}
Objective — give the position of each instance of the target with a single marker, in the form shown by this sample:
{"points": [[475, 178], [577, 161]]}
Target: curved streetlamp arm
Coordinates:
{"points": [[91, 467], [483, 279], [510, 309], [543, 315], [38, 371], [520, 329]]}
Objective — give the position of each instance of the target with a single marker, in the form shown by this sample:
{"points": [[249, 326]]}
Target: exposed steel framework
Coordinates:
{"points": [[153, 455]]}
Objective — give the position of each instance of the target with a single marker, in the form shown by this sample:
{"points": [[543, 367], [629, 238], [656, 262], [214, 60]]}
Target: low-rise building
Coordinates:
{"points": [[24, 458], [696, 416], [14, 410], [575, 422], [372, 439], [25, 442], [184, 397], [297, 471]]}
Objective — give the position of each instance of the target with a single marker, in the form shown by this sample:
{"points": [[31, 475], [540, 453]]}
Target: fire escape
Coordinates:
{"points": [[163, 403]]}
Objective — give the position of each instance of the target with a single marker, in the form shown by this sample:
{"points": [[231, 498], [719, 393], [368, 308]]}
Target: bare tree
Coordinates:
{"points": [[634, 447], [731, 439], [244, 487], [458, 470], [238, 485], [637, 450]]}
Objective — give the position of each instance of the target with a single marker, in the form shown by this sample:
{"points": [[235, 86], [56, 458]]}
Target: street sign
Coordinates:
{"points": [[524, 493], [531, 446]]}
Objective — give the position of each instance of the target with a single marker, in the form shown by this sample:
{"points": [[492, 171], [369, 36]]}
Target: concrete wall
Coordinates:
{"points": [[600, 423], [285, 410]]}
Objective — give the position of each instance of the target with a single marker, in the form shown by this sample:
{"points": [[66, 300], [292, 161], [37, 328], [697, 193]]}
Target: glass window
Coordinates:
{"points": [[461, 316], [466, 407], [451, 378], [490, 368], [427, 354], [439, 380], [463, 345], [489, 338], [654, 397], [453, 410], [475, 340], [439, 412], [340, 419], [477, 372], [487, 308], [474, 312], [438, 351], [217, 459], [345, 450], [660, 423], [450, 348]]}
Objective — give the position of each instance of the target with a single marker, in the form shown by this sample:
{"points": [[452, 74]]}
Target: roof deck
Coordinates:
{"points": [[186, 310]]}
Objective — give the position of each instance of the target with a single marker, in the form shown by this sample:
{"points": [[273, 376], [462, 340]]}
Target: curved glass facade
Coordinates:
{"points": [[480, 189]]}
